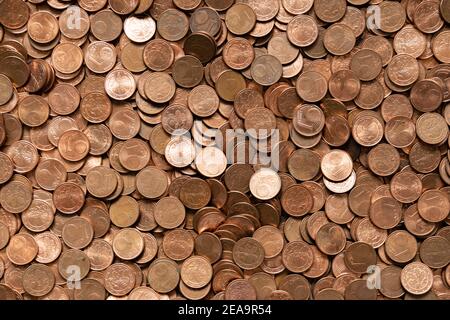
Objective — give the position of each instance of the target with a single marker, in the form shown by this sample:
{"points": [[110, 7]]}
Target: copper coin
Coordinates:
{"points": [[431, 128], [7, 89], [297, 286], [124, 212], [208, 245], [403, 41], [203, 101], [18, 20], [287, 101], [304, 164], [7, 166], [344, 85], [101, 181], [330, 239], [25, 160], [106, 18], [158, 185], [173, 25], [271, 239], [391, 286], [163, 275], [359, 256], [90, 289], [240, 19], [367, 130], [38, 280], [187, 71], [248, 253], [403, 70], [71, 260], [159, 87], [68, 197], [238, 54], [416, 278], [297, 256], [128, 244], [396, 105], [49, 247], [229, 84], [40, 21], [158, 55], [100, 57], [420, 152], [211, 162], [178, 244], [266, 70], [120, 84], [71, 30], [15, 196], [337, 165], [150, 249], [100, 254], [96, 107], [406, 187], [64, 99], [311, 86], [363, 58], [123, 7], [359, 200], [67, 58], [205, 20], [139, 29], [134, 154], [196, 272], [195, 193], [173, 206], [302, 31], [77, 233], [180, 151], [280, 47], [339, 39], [22, 249], [384, 160], [415, 224], [73, 145], [427, 18], [16, 69], [201, 45], [4, 235], [385, 212], [401, 246], [329, 12], [240, 289], [265, 184], [358, 290], [38, 217], [119, 279], [290, 203], [308, 120], [433, 205], [434, 252], [400, 132], [438, 46], [367, 232], [337, 209]]}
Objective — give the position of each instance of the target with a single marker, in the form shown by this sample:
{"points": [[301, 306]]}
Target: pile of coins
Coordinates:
{"points": [[119, 178]]}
